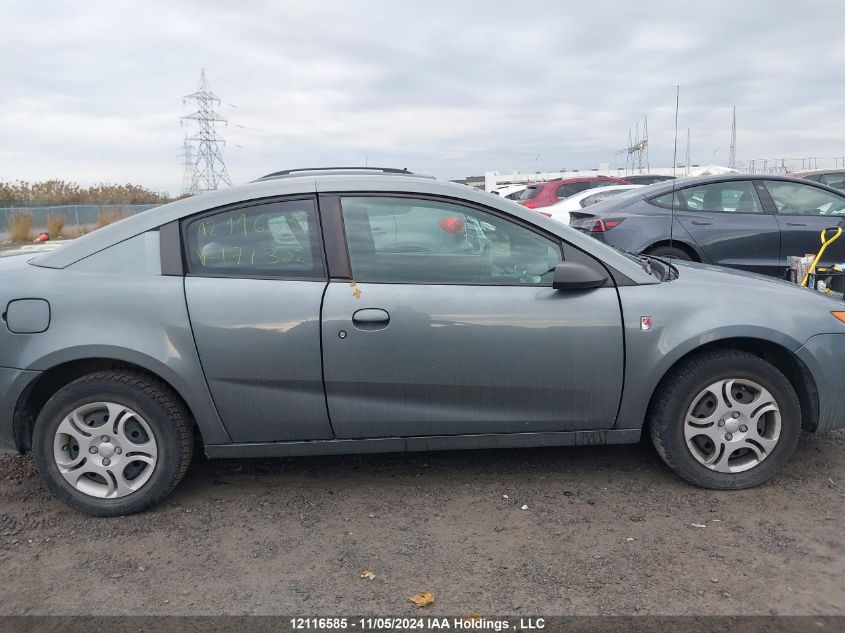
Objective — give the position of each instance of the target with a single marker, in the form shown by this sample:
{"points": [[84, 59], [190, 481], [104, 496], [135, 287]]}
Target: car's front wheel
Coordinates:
{"points": [[112, 442], [725, 420]]}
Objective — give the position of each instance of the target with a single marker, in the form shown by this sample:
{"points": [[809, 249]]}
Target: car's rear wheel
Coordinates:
{"points": [[670, 252], [112, 442], [725, 420]]}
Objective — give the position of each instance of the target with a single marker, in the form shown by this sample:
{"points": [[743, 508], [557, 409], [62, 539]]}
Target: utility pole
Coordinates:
{"points": [[209, 170], [732, 152]]}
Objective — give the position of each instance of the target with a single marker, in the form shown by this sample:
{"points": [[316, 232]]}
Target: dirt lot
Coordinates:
{"points": [[607, 530]]}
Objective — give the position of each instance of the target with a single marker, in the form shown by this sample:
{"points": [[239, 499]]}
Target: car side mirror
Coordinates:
{"points": [[575, 276]]}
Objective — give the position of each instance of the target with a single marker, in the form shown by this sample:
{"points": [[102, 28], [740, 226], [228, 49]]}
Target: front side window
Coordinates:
{"points": [[833, 180], [735, 196], [797, 198], [409, 240], [278, 239]]}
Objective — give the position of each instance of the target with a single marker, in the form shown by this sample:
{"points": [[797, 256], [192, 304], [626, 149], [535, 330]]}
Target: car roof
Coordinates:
{"points": [[617, 203], [559, 181], [683, 183], [127, 228], [815, 172], [589, 192]]}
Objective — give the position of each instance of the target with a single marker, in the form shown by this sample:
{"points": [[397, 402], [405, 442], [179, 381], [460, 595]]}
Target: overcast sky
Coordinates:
{"points": [[92, 91]]}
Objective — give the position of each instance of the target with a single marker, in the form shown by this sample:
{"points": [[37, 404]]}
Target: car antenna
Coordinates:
{"points": [[674, 167]]}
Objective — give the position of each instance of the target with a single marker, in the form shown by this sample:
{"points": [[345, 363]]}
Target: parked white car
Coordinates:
{"points": [[560, 211], [511, 192]]}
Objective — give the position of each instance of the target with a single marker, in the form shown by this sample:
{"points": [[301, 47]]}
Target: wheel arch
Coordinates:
{"points": [[782, 358], [679, 244], [54, 373]]}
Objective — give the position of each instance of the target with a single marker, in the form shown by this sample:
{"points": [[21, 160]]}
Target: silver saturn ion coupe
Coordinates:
{"points": [[327, 311]]}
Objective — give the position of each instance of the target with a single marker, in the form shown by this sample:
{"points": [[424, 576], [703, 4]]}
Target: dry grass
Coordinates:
{"points": [[20, 228], [75, 231], [104, 218], [55, 225]]}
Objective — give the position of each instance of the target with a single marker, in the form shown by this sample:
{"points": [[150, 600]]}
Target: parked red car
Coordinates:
{"points": [[544, 194]]}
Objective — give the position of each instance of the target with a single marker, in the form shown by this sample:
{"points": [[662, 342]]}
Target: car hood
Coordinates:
{"points": [[737, 282]]}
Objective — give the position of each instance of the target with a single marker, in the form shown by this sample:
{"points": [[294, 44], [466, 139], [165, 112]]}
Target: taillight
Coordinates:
{"points": [[602, 226], [530, 204]]}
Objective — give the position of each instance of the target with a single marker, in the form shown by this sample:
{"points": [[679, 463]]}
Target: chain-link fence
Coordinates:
{"points": [[74, 218]]}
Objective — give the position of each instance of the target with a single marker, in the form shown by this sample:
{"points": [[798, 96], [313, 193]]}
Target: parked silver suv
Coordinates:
{"points": [[360, 310]]}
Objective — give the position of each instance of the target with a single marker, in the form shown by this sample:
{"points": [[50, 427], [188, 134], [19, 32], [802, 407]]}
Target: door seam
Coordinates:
{"points": [[323, 361]]}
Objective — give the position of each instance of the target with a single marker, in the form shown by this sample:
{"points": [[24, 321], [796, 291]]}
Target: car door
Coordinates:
{"points": [[254, 283], [803, 212], [450, 326], [730, 226]]}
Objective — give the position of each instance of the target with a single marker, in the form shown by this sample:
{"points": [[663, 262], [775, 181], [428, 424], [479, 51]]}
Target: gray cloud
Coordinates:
{"points": [[92, 91]]}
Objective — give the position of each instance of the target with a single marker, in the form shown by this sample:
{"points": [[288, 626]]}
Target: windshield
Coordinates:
{"points": [[530, 192]]}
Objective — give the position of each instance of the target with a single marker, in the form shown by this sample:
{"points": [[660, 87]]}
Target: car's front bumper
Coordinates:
{"points": [[824, 356], [12, 385]]}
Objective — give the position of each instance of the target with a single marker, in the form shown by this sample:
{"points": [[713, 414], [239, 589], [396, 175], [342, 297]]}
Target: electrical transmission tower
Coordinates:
{"points": [[636, 160], [732, 152], [209, 170], [188, 161]]}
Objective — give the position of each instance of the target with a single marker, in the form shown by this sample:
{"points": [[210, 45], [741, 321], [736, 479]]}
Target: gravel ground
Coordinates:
{"points": [[590, 530]]}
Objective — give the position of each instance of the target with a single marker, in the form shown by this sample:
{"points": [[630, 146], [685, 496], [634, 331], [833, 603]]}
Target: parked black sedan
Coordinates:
{"points": [[742, 221]]}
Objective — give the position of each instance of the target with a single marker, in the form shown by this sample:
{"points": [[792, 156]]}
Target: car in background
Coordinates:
{"points": [[560, 211], [511, 192], [646, 179], [741, 221], [831, 177], [544, 194]]}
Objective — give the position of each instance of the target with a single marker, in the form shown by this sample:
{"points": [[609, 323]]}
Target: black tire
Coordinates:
{"points": [[163, 411], [675, 395], [670, 252]]}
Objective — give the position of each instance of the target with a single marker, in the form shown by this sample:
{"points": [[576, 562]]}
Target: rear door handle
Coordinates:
{"points": [[700, 223], [371, 319], [795, 224]]}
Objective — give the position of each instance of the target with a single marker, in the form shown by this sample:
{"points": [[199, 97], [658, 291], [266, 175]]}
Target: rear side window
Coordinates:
{"points": [[667, 200], [570, 189], [735, 196], [278, 239]]}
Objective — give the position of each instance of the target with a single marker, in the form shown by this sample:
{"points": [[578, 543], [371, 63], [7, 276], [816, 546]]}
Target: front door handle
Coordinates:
{"points": [[795, 224], [700, 223], [371, 319]]}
